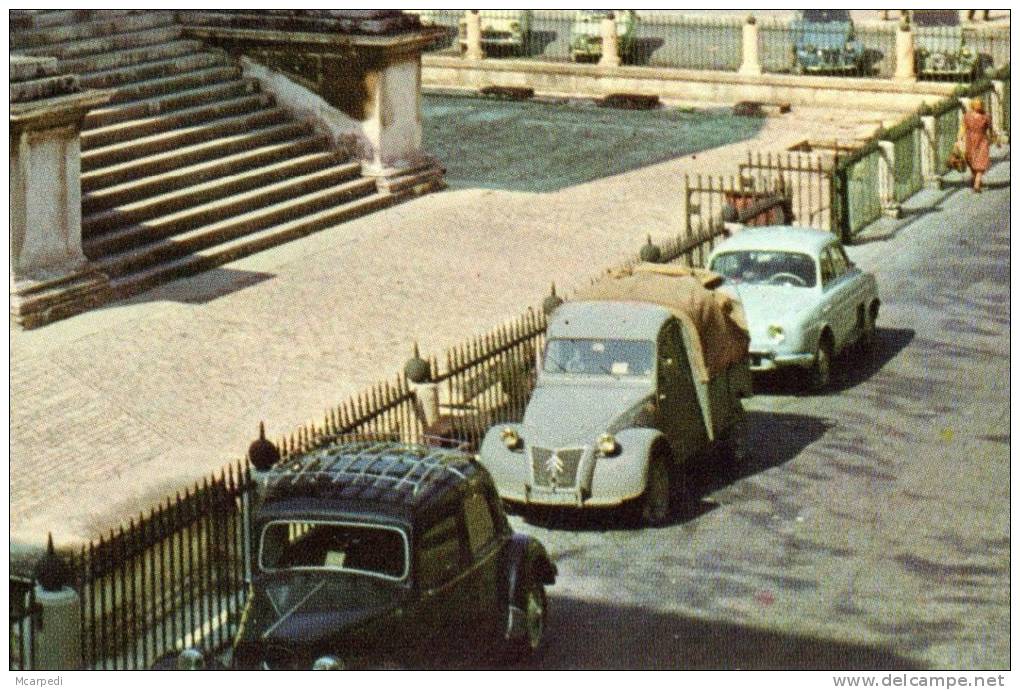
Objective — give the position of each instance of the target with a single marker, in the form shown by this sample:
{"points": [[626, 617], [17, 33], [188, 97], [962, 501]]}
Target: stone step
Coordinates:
{"points": [[180, 138], [234, 227], [46, 87], [162, 163], [97, 27], [246, 245], [182, 178], [209, 203], [132, 56], [141, 208], [24, 20], [134, 129], [124, 112], [178, 82], [106, 44], [143, 71]]}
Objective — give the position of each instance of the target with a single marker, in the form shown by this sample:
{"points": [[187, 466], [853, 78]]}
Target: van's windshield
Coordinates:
{"points": [[588, 356]]}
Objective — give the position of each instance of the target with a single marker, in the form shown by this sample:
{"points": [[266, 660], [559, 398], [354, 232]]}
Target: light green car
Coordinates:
{"points": [[586, 34], [501, 29]]}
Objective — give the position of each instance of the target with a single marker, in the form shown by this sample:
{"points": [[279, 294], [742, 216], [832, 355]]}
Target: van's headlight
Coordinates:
{"points": [[328, 663], [607, 445], [776, 334], [511, 439]]}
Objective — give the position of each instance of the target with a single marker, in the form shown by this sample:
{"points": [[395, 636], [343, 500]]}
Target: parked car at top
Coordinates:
{"points": [[501, 29], [379, 554], [646, 370], [940, 49], [804, 299], [586, 34], [824, 41]]}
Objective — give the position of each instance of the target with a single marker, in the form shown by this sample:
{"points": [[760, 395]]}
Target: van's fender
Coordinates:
{"points": [[509, 468], [623, 476]]}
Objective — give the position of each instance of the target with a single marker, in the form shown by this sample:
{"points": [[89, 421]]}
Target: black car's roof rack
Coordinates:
{"points": [[383, 469]]}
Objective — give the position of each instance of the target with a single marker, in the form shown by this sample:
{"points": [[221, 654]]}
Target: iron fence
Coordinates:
{"points": [[22, 624], [907, 174], [858, 200], [687, 42], [805, 177], [169, 580], [947, 127]]}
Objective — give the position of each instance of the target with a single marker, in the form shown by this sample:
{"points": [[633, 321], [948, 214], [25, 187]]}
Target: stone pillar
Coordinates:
{"points": [[473, 35], [428, 403], [929, 153], [887, 179], [750, 63], [905, 54], [46, 112], [57, 630], [610, 43], [999, 116]]}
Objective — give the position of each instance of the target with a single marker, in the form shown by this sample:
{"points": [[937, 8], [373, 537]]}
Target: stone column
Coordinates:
{"points": [[905, 53], [473, 34], [750, 63], [57, 626], [887, 179], [929, 154], [610, 43], [999, 117], [46, 112]]}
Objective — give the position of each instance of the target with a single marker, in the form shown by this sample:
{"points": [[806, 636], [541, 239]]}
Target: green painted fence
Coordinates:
{"points": [[907, 176], [863, 205], [947, 126]]}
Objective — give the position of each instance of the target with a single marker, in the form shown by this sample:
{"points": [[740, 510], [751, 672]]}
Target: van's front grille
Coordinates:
{"points": [[555, 468]]}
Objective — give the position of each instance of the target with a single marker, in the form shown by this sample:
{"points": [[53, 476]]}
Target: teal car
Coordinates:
{"points": [[824, 41], [940, 48], [804, 299], [586, 34]]}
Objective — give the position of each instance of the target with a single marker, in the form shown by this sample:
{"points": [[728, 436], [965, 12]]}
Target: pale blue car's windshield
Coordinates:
{"points": [[587, 356], [766, 267]]}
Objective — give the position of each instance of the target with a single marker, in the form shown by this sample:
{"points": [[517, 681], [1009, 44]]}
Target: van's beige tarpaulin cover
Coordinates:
{"points": [[714, 316]]}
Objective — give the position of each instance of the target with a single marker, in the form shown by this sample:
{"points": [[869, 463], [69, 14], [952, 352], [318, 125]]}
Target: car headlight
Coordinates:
{"points": [[190, 660], [511, 439], [776, 333], [328, 663], [607, 445], [967, 51]]}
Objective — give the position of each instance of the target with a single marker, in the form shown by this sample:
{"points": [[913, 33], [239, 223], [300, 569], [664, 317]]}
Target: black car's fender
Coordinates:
{"points": [[526, 554]]}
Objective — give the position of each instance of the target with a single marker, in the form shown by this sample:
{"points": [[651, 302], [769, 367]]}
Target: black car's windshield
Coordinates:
{"points": [[936, 17], [379, 551], [826, 16], [599, 356], [766, 267]]}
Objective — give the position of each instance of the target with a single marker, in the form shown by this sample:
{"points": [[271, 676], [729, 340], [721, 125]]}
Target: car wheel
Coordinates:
{"points": [[821, 370], [655, 503], [533, 604], [868, 338]]}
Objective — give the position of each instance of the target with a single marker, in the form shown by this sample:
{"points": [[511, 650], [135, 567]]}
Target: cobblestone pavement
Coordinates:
{"points": [[112, 410]]}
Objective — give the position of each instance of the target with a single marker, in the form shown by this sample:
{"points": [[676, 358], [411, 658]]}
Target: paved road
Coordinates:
{"points": [[870, 526]]}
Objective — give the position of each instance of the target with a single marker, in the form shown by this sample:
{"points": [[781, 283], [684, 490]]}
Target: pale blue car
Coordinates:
{"points": [[804, 299]]}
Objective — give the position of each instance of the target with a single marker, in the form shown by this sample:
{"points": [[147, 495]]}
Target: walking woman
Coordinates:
{"points": [[975, 131]]}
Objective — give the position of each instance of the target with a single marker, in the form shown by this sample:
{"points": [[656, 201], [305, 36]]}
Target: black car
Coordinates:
{"points": [[381, 554]]}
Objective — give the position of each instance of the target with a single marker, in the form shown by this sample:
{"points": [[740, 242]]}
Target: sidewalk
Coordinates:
{"points": [[113, 410]]}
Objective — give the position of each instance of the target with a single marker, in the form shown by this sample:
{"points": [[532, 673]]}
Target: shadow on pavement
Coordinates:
{"points": [[599, 635], [772, 440], [198, 289], [851, 368]]}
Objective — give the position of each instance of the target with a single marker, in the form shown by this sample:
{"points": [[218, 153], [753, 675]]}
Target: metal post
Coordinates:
{"points": [[474, 36], [905, 53], [750, 62], [610, 43]]}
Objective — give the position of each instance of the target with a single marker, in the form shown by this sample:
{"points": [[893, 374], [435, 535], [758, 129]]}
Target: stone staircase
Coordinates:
{"points": [[188, 165]]}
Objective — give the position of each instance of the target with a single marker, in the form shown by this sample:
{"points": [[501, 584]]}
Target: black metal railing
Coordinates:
{"points": [[171, 579]]}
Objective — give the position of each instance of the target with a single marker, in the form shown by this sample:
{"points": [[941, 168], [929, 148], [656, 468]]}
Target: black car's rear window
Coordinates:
{"points": [[346, 547], [936, 17], [826, 16]]}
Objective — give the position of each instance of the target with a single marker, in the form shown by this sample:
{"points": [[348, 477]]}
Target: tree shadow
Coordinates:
{"points": [[583, 634], [851, 368]]}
